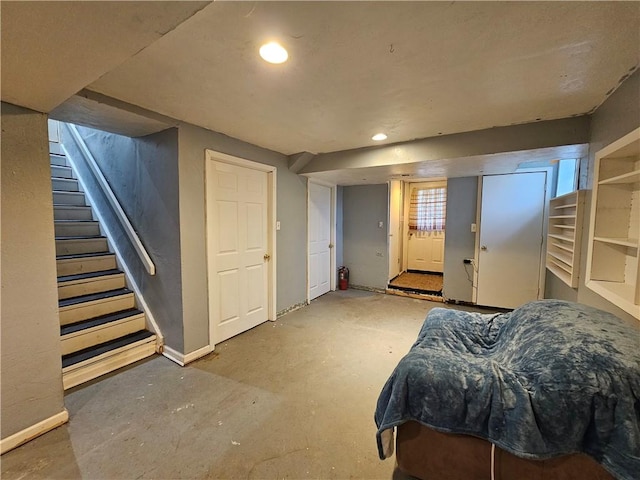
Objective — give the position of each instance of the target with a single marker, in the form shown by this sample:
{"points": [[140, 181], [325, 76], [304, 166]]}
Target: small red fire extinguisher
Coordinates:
{"points": [[343, 277]]}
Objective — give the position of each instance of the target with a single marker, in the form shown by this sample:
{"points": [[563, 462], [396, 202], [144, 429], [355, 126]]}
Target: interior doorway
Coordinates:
{"points": [[240, 197], [321, 205], [417, 215]]}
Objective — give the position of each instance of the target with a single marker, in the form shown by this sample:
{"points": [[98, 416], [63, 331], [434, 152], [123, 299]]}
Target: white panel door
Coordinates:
{"points": [[319, 240], [511, 228], [426, 251], [238, 233]]}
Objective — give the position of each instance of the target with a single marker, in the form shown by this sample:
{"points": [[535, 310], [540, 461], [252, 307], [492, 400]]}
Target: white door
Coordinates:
{"points": [[319, 216], [426, 251], [511, 228], [395, 228], [238, 244]]}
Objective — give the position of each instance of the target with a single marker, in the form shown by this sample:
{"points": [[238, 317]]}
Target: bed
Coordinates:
{"points": [[549, 390]]}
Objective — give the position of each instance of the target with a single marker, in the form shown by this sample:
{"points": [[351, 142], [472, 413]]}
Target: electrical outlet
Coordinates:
{"points": [[379, 254], [380, 224], [468, 261]]}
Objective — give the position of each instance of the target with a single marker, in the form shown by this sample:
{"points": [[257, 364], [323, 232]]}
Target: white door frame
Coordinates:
{"points": [[396, 217], [332, 234], [550, 181], [213, 156]]}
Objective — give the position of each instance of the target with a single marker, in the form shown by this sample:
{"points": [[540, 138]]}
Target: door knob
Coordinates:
{"points": [[483, 247], [266, 256], [331, 245]]}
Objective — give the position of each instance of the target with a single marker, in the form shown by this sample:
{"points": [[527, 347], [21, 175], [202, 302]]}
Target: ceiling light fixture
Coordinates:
{"points": [[273, 52], [378, 137]]}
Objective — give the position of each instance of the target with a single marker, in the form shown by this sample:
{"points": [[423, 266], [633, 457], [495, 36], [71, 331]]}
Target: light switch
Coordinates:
{"points": [[278, 225], [474, 228]]}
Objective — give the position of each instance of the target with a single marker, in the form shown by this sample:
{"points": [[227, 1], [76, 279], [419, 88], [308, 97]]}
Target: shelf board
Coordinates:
{"points": [[620, 294], [559, 264], [625, 242], [563, 257], [566, 227], [568, 205], [561, 274], [563, 247], [564, 238], [631, 177], [561, 216]]}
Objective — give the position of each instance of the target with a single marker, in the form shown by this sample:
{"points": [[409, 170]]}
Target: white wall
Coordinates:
{"points": [[31, 367]]}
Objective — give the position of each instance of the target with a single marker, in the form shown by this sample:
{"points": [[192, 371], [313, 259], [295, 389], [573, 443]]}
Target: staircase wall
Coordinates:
{"points": [[31, 372], [143, 174]]}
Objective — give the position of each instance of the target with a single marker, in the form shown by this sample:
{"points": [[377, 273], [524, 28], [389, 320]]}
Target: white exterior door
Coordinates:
{"points": [[319, 240], [426, 251], [238, 249], [511, 229]]}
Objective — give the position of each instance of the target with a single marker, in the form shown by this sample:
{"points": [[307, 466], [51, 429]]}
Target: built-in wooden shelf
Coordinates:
{"points": [[564, 238], [564, 235], [626, 242], [631, 177], [613, 269]]}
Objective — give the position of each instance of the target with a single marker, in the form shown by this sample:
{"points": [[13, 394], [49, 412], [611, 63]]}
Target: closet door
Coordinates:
{"points": [[511, 228]]}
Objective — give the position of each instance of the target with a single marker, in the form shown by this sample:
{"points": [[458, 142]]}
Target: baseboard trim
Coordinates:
{"points": [[368, 289], [29, 433], [182, 359], [292, 308]]}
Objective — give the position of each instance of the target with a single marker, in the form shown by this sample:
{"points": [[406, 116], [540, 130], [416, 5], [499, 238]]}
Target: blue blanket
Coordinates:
{"points": [[548, 379]]}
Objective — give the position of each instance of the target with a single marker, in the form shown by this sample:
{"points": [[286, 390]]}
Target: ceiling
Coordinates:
{"points": [[409, 69]]}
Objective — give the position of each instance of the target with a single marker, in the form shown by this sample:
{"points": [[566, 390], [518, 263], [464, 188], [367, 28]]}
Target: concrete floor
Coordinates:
{"points": [[289, 399]]}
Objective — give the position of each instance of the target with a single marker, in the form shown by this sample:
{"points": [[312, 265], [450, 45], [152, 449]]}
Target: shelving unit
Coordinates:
{"points": [[564, 236], [613, 270]]}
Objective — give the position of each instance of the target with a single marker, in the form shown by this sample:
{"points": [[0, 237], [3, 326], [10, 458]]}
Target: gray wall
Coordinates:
{"points": [[616, 117], [291, 238], [462, 197], [143, 174], [31, 371], [365, 248]]}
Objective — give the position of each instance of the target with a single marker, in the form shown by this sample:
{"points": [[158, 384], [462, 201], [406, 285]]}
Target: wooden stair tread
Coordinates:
{"points": [[82, 276], [88, 353], [101, 320], [82, 237], [93, 296], [83, 255], [66, 220]]}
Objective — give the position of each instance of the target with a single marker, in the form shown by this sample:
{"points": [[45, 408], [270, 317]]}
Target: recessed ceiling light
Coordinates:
{"points": [[273, 52], [378, 137]]}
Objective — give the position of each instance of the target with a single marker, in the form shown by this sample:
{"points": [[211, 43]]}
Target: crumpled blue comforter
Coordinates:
{"points": [[550, 378]]}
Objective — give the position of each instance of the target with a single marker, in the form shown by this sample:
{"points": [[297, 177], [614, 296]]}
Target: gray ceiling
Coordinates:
{"points": [[410, 69]]}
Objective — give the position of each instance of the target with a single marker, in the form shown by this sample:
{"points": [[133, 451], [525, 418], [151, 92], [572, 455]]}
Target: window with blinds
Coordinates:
{"points": [[428, 209]]}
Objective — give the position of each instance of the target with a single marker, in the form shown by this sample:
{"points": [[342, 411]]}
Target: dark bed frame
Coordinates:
{"points": [[426, 454]]}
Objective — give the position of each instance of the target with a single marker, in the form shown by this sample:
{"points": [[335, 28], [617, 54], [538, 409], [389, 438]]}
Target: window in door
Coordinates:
{"points": [[427, 210]]}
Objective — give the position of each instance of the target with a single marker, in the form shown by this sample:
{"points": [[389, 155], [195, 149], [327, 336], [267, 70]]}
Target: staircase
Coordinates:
{"points": [[101, 329]]}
